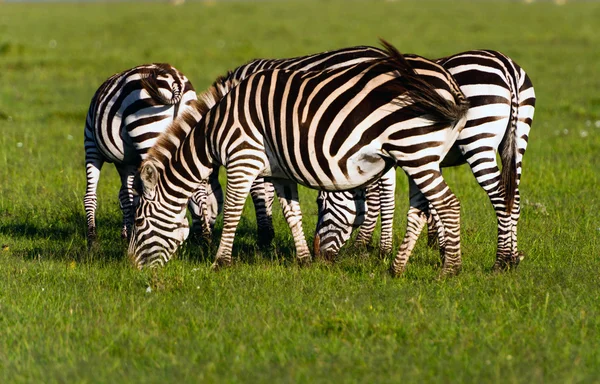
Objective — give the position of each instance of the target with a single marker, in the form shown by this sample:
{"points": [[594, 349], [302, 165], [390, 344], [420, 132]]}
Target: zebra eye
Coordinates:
{"points": [[140, 221]]}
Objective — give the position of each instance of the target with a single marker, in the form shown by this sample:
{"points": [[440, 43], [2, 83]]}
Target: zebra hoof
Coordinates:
{"points": [[304, 261], [91, 239], [397, 271], [506, 264], [450, 271], [384, 253], [220, 264]]}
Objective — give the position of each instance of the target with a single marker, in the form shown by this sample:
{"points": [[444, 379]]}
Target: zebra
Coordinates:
{"points": [[331, 130], [262, 191], [502, 104], [126, 115]]}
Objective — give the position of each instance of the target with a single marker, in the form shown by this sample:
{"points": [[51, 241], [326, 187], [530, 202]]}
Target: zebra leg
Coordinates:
{"points": [[287, 192], [387, 188], [239, 181], [517, 255], [93, 165], [433, 228], [126, 201], [432, 185], [263, 194], [417, 216], [205, 205], [365, 233], [488, 176]]}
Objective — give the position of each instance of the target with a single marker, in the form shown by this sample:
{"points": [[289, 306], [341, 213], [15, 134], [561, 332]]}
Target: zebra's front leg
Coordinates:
{"points": [[126, 197], [239, 182], [287, 192], [416, 219], [92, 167], [263, 194]]}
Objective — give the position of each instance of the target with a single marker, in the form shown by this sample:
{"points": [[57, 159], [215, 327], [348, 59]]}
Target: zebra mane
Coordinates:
{"points": [[168, 141], [149, 82], [424, 96]]}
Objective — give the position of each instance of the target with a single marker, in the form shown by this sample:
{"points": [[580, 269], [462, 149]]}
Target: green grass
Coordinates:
{"points": [[68, 316]]}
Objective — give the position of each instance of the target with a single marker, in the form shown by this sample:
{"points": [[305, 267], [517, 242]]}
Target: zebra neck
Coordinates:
{"points": [[187, 168]]}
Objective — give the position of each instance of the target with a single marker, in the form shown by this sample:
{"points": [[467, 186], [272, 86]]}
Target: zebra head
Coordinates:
{"points": [[339, 214], [159, 226]]}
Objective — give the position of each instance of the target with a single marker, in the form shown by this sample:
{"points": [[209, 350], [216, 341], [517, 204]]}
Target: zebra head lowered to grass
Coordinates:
{"points": [[332, 130], [126, 115], [502, 103]]}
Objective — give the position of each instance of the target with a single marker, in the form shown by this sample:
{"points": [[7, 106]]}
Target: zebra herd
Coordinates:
{"points": [[340, 121]]}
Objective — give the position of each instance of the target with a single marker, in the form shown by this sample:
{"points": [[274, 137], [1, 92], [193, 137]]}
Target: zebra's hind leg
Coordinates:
{"points": [[510, 257], [417, 216], [287, 192], [93, 165], [126, 197], [239, 181], [263, 194]]}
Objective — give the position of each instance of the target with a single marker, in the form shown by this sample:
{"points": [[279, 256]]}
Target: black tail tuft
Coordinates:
{"points": [[424, 96]]}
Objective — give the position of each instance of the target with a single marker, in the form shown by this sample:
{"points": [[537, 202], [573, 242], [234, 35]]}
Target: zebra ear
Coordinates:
{"points": [[149, 177]]}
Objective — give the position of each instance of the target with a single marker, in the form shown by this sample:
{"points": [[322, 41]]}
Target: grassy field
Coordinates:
{"points": [[67, 316]]}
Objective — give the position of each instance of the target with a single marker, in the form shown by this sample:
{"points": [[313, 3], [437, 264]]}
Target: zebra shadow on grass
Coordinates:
{"points": [[246, 248], [62, 239]]}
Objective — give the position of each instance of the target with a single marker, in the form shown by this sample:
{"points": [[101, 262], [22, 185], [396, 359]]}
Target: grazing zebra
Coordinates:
{"points": [[332, 130], [127, 114], [263, 192], [502, 103]]}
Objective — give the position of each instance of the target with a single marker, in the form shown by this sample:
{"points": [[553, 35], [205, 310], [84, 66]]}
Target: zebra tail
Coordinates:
{"points": [[508, 148], [149, 83], [424, 96]]}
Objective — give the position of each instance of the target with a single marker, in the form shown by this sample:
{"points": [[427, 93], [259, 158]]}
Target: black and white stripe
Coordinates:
{"points": [[502, 103], [126, 115], [263, 192], [331, 130]]}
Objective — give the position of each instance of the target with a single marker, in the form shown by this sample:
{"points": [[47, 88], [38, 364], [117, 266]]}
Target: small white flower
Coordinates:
{"points": [[583, 133], [43, 289], [19, 145], [597, 123], [198, 287], [69, 137], [148, 290], [566, 131]]}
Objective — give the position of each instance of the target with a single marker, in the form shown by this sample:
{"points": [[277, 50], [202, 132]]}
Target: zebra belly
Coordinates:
{"points": [[357, 170]]}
